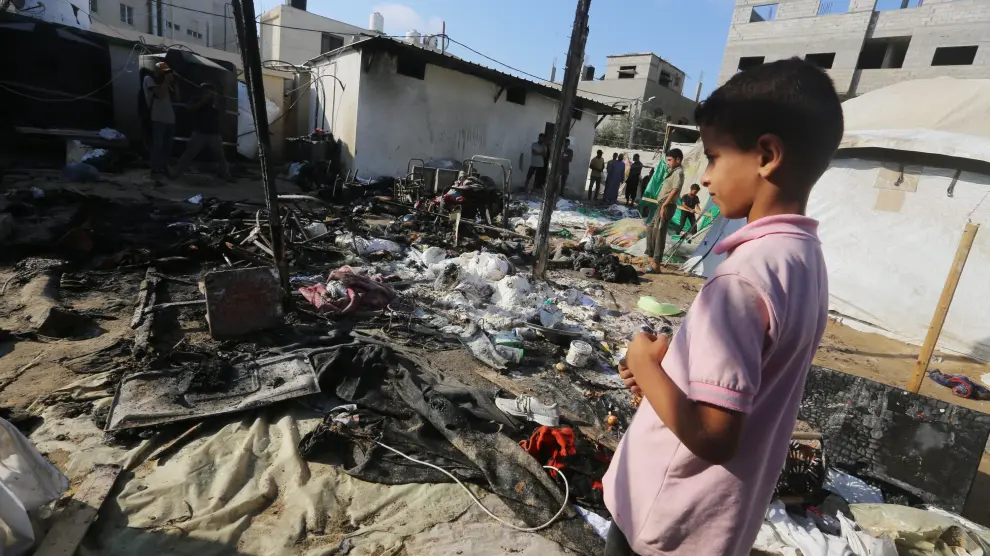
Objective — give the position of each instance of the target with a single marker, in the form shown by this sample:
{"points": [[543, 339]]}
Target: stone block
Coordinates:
{"points": [[930, 448]]}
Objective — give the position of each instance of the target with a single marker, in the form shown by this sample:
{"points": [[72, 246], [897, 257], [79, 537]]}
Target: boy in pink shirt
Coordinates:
{"points": [[697, 467]]}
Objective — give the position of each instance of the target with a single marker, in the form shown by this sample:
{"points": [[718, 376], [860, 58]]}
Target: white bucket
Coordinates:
{"points": [[578, 355]]}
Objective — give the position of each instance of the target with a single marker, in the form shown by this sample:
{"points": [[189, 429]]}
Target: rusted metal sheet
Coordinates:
{"points": [[242, 300]]}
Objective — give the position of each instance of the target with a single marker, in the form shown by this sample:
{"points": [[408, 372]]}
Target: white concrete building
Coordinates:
{"points": [[208, 23], [390, 101], [294, 35], [861, 48]]}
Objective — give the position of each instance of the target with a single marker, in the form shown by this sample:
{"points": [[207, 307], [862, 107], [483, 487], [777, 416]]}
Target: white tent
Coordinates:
{"points": [[912, 170]]}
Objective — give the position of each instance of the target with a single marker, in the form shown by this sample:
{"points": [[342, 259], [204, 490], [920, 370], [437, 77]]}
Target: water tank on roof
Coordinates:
{"points": [[432, 42], [376, 22], [589, 73], [297, 4], [412, 36]]}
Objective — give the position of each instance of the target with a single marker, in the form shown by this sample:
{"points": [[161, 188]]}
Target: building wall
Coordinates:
{"points": [[294, 45], [340, 111], [612, 91], [648, 66], [211, 30], [446, 115], [797, 30]]}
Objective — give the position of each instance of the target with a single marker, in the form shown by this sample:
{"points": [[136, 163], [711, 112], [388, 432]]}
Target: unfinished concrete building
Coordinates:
{"points": [[642, 81], [863, 44]]}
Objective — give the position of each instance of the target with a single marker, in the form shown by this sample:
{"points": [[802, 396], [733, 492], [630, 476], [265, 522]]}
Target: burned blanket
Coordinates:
{"points": [[404, 403], [347, 291]]}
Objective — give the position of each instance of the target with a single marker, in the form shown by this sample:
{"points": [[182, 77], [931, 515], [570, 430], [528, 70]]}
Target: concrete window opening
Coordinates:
{"points": [[884, 5], [516, 95], [410, 67], [766, 12], [823, 60], [828, 7], [954, 56], [885, 53], [627, 72], [94, 6], [749, 62], [665, 78], [330, 42], [126, 14]]}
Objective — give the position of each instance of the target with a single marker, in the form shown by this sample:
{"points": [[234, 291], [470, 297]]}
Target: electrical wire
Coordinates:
{"points": [[567, 492]]}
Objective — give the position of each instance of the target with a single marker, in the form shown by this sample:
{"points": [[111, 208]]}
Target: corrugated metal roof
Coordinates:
{"points": [[456, 63]]}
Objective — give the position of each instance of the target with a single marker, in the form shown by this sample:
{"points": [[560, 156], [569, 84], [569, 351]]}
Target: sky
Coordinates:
{"points": [[531, 34]]}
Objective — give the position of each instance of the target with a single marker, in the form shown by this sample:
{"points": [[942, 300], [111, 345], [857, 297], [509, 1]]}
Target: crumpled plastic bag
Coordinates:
{"points": [[912, 528], [27, 482]]}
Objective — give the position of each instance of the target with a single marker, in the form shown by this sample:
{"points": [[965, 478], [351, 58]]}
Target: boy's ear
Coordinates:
{"points": [[771, 151]]}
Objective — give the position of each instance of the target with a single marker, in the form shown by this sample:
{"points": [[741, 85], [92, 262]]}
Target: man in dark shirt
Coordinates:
{"points": [[632, 180], [690, 207], [206, 132], [565, 165]]}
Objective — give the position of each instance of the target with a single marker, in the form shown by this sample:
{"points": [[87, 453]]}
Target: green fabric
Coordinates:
{"points": [[652, 189]]}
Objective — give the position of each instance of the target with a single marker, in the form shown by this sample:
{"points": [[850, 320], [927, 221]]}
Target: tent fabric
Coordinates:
{"points": [[889, 251], [940, 116], [943, 104]]}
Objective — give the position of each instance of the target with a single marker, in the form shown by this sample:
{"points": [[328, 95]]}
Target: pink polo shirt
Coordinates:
{"points": [[746, 345]]}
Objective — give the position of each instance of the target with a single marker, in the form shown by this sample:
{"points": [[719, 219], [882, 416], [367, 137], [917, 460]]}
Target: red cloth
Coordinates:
{"points": [[550, 446]]}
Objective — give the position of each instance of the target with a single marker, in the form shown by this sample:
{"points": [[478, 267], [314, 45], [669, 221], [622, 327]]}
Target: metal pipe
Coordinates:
{"points": [[247, 36]]}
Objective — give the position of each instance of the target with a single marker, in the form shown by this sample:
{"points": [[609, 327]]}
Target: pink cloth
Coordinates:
{"points": [[746, 344]]}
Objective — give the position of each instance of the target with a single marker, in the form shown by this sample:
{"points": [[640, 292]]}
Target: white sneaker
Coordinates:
{"points": [[531, 409]]}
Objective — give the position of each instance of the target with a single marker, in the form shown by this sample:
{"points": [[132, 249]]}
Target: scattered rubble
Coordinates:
{"points": [[379, 292]]}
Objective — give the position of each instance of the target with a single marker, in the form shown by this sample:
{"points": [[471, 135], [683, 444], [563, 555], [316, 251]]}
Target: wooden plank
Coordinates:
{"points": [[75, 519], [942, 309]]}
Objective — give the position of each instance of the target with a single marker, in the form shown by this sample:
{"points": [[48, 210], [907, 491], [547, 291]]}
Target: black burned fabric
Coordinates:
{"points": [[406, 404], [607, 267]]}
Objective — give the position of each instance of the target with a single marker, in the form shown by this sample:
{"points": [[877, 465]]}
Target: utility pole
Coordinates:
{"points": [[247, 37], [568, 90], [697, 94]]}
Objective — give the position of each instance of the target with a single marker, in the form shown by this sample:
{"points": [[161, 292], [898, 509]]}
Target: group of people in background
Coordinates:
{"points": [[615, 173]]}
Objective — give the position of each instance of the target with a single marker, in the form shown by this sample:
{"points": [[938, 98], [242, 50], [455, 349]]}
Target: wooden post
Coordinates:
{"points": [[958, 264], [568, 91]]}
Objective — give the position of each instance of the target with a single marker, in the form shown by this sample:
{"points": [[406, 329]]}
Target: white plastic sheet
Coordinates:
{"points": [[247, 139], [27, 482]]}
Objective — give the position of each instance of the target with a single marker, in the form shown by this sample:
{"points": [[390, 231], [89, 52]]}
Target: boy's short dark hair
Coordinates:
{"points": [[792, 99], [676, 154], [695, 187]]}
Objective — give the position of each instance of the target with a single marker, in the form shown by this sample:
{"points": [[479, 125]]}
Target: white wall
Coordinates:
{"points": [[450, 115], [294, 45], [341, 109]]}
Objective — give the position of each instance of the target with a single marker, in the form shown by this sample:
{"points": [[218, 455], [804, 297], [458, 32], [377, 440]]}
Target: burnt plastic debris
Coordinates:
{"points": [[406, 404]]}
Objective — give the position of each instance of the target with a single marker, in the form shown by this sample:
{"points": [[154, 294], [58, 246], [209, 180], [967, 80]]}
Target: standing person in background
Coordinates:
{"points": [[538, 153], [565, 165], [691, 207], [656, 231], [206, 133], [597, 166], [632, 180], [616, 173], [158, 90]]}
